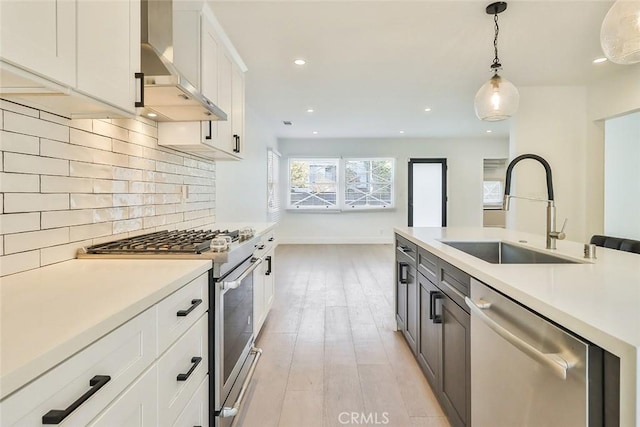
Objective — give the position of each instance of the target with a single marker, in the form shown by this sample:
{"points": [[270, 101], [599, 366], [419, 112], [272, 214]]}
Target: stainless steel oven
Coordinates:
{"points": [[235, 358]]}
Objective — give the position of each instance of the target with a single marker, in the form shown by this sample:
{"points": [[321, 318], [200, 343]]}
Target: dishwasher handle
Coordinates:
{"points": [[553, 361]]}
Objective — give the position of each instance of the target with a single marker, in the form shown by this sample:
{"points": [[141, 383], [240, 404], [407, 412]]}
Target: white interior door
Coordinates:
{"points": [[427, 193]]}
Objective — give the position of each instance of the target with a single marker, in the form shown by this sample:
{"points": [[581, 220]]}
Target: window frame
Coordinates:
{"points": [[347, 207], [274, 200], [330, 208], [493, 206], [341, 186]]}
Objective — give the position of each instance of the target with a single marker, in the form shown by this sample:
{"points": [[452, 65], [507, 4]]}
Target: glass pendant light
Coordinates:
{"points": [[498, 98], [620, 32]]}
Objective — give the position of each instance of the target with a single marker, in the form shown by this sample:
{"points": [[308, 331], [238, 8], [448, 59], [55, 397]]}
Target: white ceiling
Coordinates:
{"points": [[373, 66]]}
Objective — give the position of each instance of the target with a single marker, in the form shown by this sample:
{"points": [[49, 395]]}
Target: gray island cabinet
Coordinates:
{"points": [[432, 315], [435, 302]]}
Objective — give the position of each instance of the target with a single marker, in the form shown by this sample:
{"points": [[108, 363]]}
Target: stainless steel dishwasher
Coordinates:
{"points": [[526, 371]]}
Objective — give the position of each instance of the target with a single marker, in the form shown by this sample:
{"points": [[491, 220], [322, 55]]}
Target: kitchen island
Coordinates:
{"points": [[596, 299]]}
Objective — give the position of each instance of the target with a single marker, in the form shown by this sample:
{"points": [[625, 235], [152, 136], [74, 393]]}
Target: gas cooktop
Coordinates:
{"points": [[221, 246], [178, 241]]}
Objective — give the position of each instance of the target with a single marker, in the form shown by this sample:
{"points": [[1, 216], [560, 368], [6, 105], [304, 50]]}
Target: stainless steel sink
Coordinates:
{"points": [[505, 253]]}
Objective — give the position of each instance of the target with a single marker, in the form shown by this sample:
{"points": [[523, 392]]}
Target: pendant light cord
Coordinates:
{"points": [[496, 62]]}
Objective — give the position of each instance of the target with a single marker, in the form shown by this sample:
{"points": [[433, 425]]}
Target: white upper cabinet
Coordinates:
{"points": [[237, 107], [40, 36], [224, 138], [85, 51], [221, 80], [186, 44], [109, 51], [209, 55]]}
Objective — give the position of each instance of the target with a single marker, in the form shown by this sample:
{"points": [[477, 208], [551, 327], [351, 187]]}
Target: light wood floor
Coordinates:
{"points": [[329, 345]]}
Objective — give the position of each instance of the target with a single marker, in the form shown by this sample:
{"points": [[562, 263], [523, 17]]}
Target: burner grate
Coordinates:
{"points": [[177, 241]]}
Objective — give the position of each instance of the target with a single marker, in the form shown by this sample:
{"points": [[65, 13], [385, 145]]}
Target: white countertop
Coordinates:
{"points": [[48, 314], [599, 300]]}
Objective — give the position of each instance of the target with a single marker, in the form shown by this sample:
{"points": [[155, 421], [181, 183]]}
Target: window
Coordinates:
{"points": [[273, 190], [333, 184], [368, 183], [313, 183], [492, 194]]}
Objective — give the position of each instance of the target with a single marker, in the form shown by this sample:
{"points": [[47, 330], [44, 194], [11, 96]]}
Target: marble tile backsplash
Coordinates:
{"points": [[65, 184]]}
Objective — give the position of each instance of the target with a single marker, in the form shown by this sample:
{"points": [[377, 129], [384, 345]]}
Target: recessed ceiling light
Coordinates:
{"points": [[401, 131], [427, 109], [309, 110], [600, 60], [152, 115], [489, 131], [299, 62], [315, 132]]}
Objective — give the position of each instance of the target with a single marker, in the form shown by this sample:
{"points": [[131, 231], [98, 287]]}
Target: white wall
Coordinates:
{"points": [[465, 171], [551, 122], [616, 95], [622, 177], [241, 186], [566, 126], [606, 98]]}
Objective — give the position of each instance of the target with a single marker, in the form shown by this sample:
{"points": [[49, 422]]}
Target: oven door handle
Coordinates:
{"points": [[233, 411], [233, 284]]}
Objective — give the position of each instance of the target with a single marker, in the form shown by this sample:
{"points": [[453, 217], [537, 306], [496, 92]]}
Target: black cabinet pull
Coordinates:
{"points": [[56, 416], [271, 239], [237, 147], [260, 247], [268, 272], [194, 304], [196, 361], [433, 297], [141, 77], [208, 137], [403, 276]]}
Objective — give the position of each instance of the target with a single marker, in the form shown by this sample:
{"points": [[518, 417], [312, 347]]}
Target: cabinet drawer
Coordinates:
{"points": [[122, 355], [180, 359], [174, 317], [136, 407], [266, 243], [428, 264], [455, 283], [405, 247], [197, 411]]}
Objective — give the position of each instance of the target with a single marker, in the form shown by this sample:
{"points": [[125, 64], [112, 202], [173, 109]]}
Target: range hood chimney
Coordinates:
{"points": [[167, 92]]}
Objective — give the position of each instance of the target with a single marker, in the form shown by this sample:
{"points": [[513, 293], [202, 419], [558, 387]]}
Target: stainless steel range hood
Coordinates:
{"points": [[167, 92]]}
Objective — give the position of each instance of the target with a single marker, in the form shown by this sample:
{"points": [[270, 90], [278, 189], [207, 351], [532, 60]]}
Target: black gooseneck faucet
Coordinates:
{"points": [[552, 235]]}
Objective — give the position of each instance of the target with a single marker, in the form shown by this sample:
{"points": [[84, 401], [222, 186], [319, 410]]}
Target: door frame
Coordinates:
{"points": [[442, 161]]}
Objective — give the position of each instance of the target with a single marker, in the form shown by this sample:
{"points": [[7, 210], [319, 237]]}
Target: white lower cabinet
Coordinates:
{"points": [[136, 407], [127, 378], [180, 370], [180, 310], [264, 282], [196, 413], [117, 359]]}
